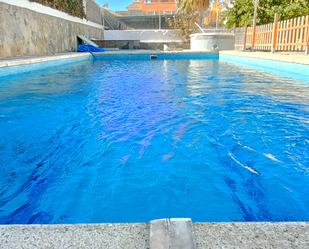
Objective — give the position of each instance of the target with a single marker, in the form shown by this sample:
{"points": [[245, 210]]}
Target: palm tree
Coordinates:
{"points": [[197, 5]]}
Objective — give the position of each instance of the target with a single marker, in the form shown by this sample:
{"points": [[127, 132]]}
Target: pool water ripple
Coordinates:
{"points": [[131, 141]]}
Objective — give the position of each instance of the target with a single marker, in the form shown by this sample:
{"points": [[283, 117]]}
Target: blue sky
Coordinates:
{"points": [[116, 4]]}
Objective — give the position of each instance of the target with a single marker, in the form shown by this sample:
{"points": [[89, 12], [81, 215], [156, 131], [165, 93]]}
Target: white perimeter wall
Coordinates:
{"points": [[143, 35]]}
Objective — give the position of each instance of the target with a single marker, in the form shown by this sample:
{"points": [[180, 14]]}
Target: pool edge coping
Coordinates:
{"points": [[291, 67], [223, 226], [26, 60], [26, 64], [282, 65]]}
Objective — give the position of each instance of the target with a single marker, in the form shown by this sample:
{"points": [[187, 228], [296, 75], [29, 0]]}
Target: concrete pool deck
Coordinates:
{"points": [[290, 57], [138, 236]]}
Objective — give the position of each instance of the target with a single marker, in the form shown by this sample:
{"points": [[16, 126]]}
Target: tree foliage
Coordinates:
{"points": [[198, 6], [189, 12], [185, 22], [194, 5], [241, 12]]}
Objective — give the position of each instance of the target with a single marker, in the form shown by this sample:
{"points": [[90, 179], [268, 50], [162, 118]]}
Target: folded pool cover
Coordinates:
{"points": [[89, 48]]}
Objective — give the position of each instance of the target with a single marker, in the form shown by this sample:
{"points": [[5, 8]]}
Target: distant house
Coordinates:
{"points": [[152, 7]]}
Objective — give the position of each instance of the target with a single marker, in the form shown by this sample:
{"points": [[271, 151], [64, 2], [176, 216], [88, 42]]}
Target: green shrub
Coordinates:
{"points": [[241, 13], [72, 7]]}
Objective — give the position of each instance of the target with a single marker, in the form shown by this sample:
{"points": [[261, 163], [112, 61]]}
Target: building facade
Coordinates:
{"points": [[152, 7]]}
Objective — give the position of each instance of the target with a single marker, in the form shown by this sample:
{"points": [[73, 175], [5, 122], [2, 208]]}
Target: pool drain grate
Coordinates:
{"points": [[153, 57]]}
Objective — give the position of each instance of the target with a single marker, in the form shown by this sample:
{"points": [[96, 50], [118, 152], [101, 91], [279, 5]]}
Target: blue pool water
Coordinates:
{"points": [[131, 141]]}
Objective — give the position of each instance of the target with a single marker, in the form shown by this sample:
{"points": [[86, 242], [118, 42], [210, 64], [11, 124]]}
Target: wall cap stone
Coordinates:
{"points": [[39, 8]]}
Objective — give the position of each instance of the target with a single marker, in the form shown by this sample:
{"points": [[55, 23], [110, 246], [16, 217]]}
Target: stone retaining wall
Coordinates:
{"points": [[26, 32], [93, 12]]}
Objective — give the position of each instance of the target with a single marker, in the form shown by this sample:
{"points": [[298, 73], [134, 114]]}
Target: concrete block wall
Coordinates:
{"points": [[33, 29], [167, 35], [93, 12]]}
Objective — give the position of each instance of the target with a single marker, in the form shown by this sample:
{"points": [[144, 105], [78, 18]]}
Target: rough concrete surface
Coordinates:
{"points": [[115, 236], [25, 32], [255, 235]]}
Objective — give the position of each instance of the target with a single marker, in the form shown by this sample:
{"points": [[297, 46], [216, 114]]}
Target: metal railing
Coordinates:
{"points": [[111, 21]]}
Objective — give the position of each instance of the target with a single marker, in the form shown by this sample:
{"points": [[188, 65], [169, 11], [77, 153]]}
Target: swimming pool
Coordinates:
{"points": [[131, 141]]}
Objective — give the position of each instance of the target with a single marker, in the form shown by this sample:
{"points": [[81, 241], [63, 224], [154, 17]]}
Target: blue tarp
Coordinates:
{"points": [[89, 48]]}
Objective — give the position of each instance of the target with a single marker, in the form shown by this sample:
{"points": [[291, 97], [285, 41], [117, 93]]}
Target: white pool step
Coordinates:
{"points": [[173, 233]]}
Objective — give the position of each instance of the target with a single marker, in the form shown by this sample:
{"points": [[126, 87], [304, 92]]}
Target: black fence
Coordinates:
{"points": [[147, 22]]}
